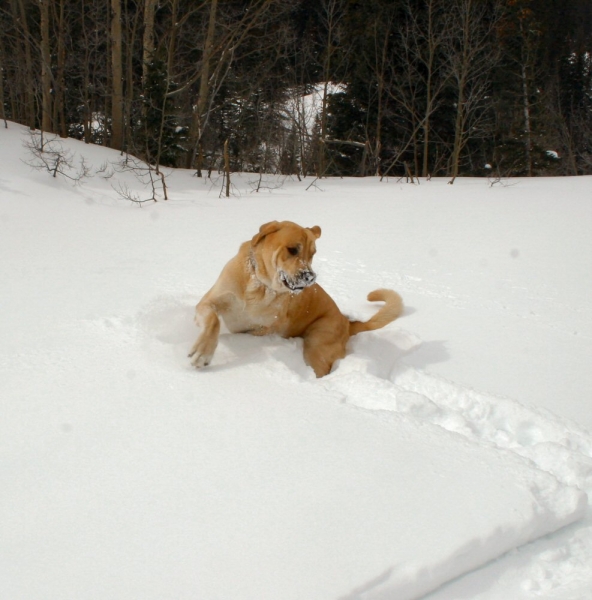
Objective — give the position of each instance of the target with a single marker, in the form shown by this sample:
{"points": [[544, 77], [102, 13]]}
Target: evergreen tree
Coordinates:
{"points": [[162, 135]]}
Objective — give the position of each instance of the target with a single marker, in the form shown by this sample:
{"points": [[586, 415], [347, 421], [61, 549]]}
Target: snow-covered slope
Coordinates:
{"points": [[455, 435]]}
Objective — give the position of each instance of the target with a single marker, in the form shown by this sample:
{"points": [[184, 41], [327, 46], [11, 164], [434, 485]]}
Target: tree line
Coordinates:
{"points": [[323, 87]]}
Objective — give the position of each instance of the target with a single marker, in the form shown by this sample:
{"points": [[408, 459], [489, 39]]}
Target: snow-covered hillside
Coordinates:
{"points": [[448, 454]]}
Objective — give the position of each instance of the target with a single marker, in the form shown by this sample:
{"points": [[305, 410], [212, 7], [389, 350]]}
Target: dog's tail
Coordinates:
{"points": [[393, 307]]}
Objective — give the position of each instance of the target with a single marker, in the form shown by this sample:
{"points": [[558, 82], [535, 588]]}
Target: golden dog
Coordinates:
{"points": [[269, 288]]}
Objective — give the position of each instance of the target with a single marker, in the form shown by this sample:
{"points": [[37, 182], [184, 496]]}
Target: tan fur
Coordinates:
{"points": [[268, 288]]}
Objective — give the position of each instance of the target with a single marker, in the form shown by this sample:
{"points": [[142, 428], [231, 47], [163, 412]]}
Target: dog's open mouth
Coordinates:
{"points": [[299, 282]]}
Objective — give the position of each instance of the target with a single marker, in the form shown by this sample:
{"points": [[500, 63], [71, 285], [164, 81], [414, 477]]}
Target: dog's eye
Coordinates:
{"points": [[293, 250]]}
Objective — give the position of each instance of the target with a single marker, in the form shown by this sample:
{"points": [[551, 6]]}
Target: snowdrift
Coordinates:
{"points": [[127, 474]]}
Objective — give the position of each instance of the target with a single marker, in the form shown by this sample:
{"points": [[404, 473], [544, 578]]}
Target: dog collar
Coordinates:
{"points": [[252, 260]]}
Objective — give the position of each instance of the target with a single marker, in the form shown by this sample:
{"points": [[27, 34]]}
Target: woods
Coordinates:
{"points": [[420, 87]]}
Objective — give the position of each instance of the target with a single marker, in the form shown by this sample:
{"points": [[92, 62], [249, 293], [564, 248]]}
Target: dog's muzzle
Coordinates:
{"points": [[298, 282]]}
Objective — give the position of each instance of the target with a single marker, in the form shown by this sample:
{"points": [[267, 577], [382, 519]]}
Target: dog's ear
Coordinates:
{"points": [[316, 231], [264, 230]]}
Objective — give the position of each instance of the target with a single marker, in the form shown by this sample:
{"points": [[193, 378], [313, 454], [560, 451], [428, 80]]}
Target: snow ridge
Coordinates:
{"points": [[434, 447], [374, 378]]}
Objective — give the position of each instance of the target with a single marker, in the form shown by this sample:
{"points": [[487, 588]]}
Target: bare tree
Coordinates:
{"points": [[377, 57], [2, 98], [519, 101], [58, 116], [332, 12], [219, 49], [146, 175], [405, 88], [133, 22], [117, 76], [199, 109], [424, 38], [300, 108], [526, 62], [574, 158], [172, 44], [24, 45], [94, 29], [49, 154], [472, 50], [46, 113], [148, 39]]}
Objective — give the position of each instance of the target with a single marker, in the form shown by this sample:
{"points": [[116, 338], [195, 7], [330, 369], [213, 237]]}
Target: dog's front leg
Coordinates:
{"points": [[207, 319]]}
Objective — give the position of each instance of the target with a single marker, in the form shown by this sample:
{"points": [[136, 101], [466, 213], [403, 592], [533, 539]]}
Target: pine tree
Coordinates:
{"points": [[162, 135]]}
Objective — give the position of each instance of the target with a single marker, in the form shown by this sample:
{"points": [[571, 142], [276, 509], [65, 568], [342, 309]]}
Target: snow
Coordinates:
{"points": [[451, 448], [307, 108]]}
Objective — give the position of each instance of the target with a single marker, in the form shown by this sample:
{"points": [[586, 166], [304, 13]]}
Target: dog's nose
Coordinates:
{"points": [[309, 277]]}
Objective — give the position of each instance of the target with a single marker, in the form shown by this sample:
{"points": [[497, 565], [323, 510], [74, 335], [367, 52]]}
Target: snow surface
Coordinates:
{"points": [[447, 440]]}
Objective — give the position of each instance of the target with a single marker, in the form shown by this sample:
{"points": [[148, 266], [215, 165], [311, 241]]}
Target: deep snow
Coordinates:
{"points": [[451, 437]]}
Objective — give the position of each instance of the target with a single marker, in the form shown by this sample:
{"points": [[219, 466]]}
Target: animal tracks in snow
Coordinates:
{"points": [[564, 451], [375, 377]]}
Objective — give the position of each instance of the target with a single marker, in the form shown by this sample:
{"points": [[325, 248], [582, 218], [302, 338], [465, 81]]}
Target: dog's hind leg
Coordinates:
{"points": [[323, 347]]}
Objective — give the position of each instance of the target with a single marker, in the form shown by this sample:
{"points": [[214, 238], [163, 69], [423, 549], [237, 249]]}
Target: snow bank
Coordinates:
{"points": [[127, 474], [130, 475]]}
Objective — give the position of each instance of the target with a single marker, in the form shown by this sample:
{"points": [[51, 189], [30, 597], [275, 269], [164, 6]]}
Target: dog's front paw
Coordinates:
{"points": [[202, 352], [201, 360]]}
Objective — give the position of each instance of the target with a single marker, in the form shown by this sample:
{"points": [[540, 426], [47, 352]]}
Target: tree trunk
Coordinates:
{"points": [[476, 52], [28, 84], [462, 71], [227, 168], [459, 122], [332, 15], [525, 100], [195, 130], [46, 120], [458, 131], [2, 112], [129, 91], [148, 41], [59, 115], [2, 99], [322, 146], [432, 46], [381, 71], [86, 111], [416, 145], [527, 129], [173, 38], [117, 77]]}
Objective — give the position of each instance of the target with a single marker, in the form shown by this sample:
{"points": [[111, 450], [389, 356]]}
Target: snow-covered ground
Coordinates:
{"points": [[451, 448]]}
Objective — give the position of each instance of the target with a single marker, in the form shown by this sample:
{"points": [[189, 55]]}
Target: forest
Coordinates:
{"points": [[402, 87]]}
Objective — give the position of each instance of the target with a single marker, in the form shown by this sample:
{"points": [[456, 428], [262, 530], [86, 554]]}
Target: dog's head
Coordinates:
{"points": [[283, 253]]}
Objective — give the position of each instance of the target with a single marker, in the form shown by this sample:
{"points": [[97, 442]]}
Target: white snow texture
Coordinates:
{"points": [[428, 462]]}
